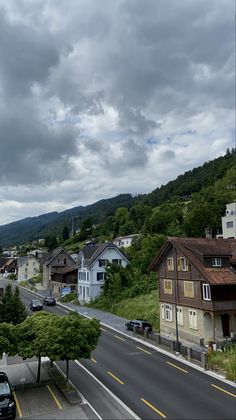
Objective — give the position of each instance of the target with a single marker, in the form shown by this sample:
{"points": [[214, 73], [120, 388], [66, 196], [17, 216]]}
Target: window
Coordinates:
{"points": [[206, 291], [216, 262], [182, 264], [188, 289], [166, 312], [87, 276], [102, 263], [180, 318], [170, 264], [192, 317], [64, 260], [168, 287], [87, 291], [229, 225], [101, 276], [117, 262], [80, 290]]}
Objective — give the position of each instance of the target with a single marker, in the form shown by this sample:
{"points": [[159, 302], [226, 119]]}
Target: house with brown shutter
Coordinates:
{"points": [[197, 289]]}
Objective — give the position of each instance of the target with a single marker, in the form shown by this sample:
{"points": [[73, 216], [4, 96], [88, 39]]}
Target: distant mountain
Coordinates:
{"points": [[188, 186], [33, 228]]}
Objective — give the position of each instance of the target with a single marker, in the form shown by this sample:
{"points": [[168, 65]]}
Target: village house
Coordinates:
{"points": [[197, 289], [93, 259], [59, 258], [8, 266], [27, 268], [64, 280], [126, 241]]}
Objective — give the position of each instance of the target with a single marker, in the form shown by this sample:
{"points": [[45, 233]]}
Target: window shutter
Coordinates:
{"points": [[179, 264], [171, 314]]}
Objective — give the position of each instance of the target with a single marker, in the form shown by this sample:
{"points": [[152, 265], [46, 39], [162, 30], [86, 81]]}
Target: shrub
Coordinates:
{"points": [[69, 297]]}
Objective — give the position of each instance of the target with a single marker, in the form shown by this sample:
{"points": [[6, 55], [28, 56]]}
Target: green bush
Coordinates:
{"points": [[69, 297], [225, 360]]}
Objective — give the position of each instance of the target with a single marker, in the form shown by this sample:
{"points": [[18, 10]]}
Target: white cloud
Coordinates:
{"points": [[100, 98]]}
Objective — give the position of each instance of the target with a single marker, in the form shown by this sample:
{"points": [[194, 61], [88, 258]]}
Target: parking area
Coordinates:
{"points": [[40, 401]]}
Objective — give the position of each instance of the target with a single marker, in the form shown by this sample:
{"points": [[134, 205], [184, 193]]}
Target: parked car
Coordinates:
{"points": [[140, 324], [49, 301], [7, 400], [36, 305]]}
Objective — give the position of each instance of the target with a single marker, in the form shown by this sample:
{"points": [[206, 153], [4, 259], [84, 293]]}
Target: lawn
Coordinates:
{"points": [[143, 306], [225, 361]]}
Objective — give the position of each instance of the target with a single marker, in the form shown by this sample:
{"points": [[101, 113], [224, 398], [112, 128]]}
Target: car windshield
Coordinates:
{"points": [[36, 302], [50, 298], [4, 388]]}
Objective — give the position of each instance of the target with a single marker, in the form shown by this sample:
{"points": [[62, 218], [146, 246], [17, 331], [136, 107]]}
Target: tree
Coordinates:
{"points": [[51, 242], [12, 309], [34, 337], [8, 342], [72, 337], [65, 233]]}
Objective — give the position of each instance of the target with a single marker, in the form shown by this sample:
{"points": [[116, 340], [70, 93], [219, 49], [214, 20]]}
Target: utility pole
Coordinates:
{"points": [[176, 305]]}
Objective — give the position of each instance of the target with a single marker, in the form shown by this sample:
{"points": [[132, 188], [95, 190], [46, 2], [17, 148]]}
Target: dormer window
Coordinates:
{"points": [[216, 262]]}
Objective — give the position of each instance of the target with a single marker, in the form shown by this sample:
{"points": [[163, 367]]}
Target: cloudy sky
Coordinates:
{"points": [[100, 97]]}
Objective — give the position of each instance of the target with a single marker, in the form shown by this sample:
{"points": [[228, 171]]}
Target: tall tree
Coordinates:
{"points": [[51, 242], [65, 233], [12, 309]]}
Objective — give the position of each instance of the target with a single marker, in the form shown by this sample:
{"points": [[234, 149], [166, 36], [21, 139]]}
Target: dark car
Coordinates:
{"points": [[36, 305], [49, 301], [7, 401], [140, 324]]}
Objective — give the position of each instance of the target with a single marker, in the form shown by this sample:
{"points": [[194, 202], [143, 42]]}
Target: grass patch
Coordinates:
{"points": [[143, 306], [225, 361]]}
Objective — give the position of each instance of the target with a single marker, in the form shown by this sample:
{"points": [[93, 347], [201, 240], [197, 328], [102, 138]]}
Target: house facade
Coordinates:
{"points": [[91, 271], [57, 260], [229, 221], [197, 289], [8, 266], [125, 241], [65, 278], [27, 268]]}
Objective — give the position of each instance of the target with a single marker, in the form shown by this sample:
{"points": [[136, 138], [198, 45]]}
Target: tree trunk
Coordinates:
{"points": [[39, 369], [67, 371]]}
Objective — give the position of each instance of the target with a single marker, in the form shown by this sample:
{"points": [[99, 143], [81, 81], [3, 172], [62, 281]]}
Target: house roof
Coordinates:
{"points": [[92, 252], [195, 249], [22, 260], [54, 254]]}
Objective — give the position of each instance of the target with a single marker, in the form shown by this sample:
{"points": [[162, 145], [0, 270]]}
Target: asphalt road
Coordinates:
{"points": [[149, 383]]}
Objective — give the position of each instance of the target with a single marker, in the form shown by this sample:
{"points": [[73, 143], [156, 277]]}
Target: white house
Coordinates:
{"points": [[91, 272], [229, 221], [28, 267], [125, 241]]}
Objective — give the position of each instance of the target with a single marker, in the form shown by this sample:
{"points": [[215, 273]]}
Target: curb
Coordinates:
{"points": [[152, 346]]}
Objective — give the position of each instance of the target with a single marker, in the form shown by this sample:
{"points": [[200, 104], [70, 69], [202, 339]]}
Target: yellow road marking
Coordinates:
{"points": [[145, 351], [93, 360], [153, 408], [177, 367], [122, 339], [17, 405], [54, 397], [223, 390], [115, 377]]}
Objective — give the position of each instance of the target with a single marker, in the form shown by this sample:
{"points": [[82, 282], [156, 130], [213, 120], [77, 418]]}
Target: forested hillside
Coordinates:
{"points": [[185, 206]]}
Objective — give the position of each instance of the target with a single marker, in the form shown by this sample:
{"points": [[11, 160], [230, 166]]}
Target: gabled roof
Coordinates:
{"points": [[24, 259], [92, 252], [196, 249], [54, 254]]}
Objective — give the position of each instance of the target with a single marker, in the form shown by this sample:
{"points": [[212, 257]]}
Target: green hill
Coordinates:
{"points": [[184, 206]]}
